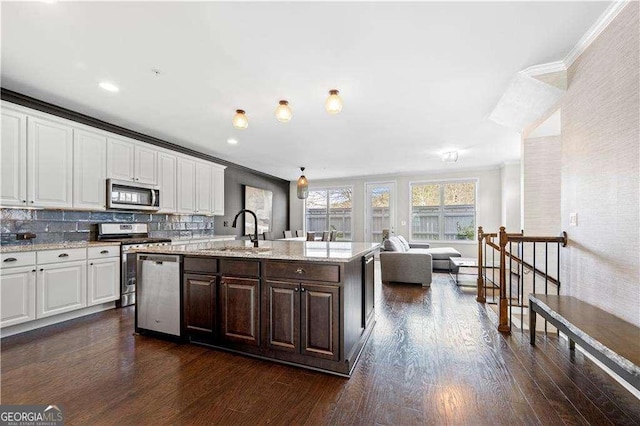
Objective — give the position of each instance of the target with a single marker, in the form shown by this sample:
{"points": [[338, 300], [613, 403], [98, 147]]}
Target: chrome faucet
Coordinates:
{"points": [[254, 238]]}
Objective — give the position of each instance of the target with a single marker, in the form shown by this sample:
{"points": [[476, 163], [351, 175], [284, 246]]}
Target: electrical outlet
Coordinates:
{"points": [[403, 223], [225, 223], [573, 219]]}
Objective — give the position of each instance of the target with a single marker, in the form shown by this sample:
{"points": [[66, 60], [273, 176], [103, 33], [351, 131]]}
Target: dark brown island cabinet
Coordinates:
{"points": [[317, 315]]}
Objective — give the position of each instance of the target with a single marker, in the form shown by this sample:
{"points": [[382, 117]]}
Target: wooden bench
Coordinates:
{"points": [[612, 340]]}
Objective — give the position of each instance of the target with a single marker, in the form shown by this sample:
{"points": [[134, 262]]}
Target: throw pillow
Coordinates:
{"points": [[397, 245], [387, 245], [404, 243]]}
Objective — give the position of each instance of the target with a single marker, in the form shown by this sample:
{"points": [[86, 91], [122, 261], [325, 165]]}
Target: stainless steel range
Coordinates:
{"points": [[130, 236]]}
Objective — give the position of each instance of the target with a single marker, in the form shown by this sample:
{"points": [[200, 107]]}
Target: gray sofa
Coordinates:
{"points": [[412, 263]]}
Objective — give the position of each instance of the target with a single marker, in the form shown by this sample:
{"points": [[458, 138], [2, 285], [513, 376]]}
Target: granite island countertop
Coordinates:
{"points": [[317, 251], [55, 246]]}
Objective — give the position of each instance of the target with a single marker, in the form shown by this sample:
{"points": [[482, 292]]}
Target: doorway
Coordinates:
{"points": [[380, 210]]}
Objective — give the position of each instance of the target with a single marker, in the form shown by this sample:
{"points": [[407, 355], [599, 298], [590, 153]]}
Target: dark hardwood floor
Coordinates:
{"points": [[435, 357]]}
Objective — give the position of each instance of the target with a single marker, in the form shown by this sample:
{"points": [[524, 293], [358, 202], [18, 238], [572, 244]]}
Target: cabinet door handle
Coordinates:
{"points": [[302, 289], [24, 201], [369, 260], [33, 270], [63, 255], [10, 259], [41, 269], [104, 252], [295, 289], [299, 271], [91, 264]]}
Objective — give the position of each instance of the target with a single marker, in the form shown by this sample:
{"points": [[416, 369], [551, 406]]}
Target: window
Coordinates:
{"points": [[330, 210], [443, 211]]}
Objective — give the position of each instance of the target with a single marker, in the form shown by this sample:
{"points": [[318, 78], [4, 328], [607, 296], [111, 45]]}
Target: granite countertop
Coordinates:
{"points": [[209, 238], [55, 246], [282, 250]]}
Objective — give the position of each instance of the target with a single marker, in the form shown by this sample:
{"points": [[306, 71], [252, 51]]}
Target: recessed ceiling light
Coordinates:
{"points": [[232, 141], [109, 87]]}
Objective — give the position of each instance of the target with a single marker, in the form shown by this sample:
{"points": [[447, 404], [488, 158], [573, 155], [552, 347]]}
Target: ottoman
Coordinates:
{"points": [[441, 257]]}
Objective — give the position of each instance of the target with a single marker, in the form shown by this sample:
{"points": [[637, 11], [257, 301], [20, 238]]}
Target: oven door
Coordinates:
{"points": [[132, 196]]}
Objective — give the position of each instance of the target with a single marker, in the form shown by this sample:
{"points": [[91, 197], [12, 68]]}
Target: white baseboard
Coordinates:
{"points": [[32, 325]]}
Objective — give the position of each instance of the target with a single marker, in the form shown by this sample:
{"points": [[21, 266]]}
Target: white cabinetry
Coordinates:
{"points": [[195, 179], [218, 190], [49, 164], [167, 182], [103, 274], [127, 160], [13, 157], [61, 287], [203, 183], [89, 170], [17, 288]]}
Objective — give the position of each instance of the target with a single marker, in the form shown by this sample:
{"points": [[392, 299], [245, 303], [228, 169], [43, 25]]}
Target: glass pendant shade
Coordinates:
{"points": [[450, 157], [283, 112], [240, 120], [303, 186], [333, 105]]}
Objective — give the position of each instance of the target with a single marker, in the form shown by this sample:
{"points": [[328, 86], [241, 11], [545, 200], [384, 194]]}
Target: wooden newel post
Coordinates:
{"points": [[481, 296], [503, 324]]}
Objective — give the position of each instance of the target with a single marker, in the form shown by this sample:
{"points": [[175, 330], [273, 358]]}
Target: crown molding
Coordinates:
{"points": [[547, 68], [603, 21], [585, 41]]}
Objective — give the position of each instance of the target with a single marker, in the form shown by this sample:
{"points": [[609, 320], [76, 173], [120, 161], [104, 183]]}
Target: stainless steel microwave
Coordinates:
{"points": [[122, 194]]}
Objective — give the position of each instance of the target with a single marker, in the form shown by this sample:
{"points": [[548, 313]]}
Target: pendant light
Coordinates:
{"points": [[303, 185], [450, 157], [240, 120], [333, 105], [283, 112]]}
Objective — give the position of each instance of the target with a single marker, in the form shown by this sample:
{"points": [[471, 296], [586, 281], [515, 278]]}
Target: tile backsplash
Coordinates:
{"points": [[54, 226]]}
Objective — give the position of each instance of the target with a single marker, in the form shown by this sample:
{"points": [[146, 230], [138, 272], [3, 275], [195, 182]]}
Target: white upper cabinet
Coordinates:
{"points": [[167, 182], [218, 190], [146, 169], [49, 164], [120, 159], [186, 185], [89, 170], [13, 158], [203, 184], [131, 161]]}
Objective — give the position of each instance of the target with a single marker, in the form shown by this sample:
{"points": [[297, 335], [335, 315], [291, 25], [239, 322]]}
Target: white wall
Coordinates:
{"points": [[510, 181], [488, 210]]}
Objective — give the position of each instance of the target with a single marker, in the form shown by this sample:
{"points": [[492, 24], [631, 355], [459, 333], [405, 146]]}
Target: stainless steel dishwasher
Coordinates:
{"points": [[158, 294]]}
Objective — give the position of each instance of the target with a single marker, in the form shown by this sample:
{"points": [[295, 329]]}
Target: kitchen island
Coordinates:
{"points": [[309, 304]]}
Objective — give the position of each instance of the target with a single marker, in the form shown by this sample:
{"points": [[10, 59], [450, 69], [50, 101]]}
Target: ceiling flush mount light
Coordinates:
{"points": [[109, 87], [240, 120], [303, 185], [450, 157], [232, 141], [333, 105], [283, 112]]}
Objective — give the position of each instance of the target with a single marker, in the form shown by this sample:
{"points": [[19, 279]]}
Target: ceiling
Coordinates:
{"points": [[417, 79]]}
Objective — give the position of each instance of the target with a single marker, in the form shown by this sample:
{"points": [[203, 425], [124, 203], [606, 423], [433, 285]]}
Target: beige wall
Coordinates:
{"points": [[600, 167], [488, 203]]}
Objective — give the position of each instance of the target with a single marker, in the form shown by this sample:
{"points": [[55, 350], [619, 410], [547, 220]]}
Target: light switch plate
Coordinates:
{"points": [[573, 219]]}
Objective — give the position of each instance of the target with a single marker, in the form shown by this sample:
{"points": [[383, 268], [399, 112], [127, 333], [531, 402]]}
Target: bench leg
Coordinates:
{"points": [[572, 345], [532, 324]]}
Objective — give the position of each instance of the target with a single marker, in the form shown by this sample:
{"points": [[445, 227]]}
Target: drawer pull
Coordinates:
{"points": [[63, 255], [10, 259], [300, 271], [104, 252]]}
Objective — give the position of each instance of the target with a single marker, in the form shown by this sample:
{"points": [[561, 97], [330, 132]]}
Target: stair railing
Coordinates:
{"points": [[507, 258]]}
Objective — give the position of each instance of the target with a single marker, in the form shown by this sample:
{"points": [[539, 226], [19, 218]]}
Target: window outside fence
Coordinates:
{"points": [[330, 210], [443, 211]]}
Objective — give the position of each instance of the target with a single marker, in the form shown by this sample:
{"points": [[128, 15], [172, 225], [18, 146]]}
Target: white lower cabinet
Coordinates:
{"points": [[103, 280], [18, 295], [61, 287]]}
